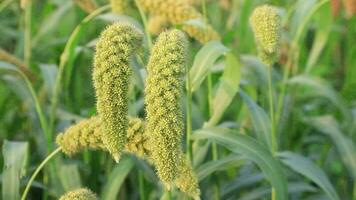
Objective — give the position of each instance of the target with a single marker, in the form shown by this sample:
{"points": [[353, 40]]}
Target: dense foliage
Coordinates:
{"points": [[178, 99]]}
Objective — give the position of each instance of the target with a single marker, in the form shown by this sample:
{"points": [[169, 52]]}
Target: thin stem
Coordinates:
{"points": [[65, 56], [144, 21], [7, 57], [169, 194], [27, 33], [189, 115], [271, 109], [272, 116], [44, 162], [141, 185]]}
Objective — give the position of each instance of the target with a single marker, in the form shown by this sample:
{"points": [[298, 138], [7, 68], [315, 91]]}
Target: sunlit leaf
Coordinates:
{"points": [[203, 62], [15, 157], [228, 87]]}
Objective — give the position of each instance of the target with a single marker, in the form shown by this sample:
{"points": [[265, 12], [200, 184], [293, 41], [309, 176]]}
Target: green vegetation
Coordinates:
{"points": [[178, 99]]}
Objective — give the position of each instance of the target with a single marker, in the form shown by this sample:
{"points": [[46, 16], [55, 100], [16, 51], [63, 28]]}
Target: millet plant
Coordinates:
{"points": [[178, 99]]}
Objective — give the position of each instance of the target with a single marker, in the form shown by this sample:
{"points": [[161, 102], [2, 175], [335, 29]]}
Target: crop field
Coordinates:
{"points": [[178, 99]]}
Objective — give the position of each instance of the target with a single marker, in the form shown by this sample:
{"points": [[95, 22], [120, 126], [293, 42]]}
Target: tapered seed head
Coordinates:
{"points": [[266, 25], [163, 95], [79, 194], [111, 76]]}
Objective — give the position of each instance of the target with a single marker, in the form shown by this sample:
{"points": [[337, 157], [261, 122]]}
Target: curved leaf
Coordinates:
{"points": [[209, 167], [323, 89], [203, 62], [253, 151], [15, 157], [307, 168], [116, 178], [344, 144], [229, 86], [260, 120]]}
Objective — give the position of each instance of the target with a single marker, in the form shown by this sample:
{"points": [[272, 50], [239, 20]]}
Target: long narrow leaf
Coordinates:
{"points": [[116, 178], [308, 169], [253, 151], [203, 62], [15, 157], [260, 120], [229, 86], [209, 167], [344, 145]]}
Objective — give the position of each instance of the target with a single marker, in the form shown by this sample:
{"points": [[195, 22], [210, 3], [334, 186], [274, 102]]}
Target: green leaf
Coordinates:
{"points": [[307, 168], [15, 158], [344, 144], [203, 62], [323, 89], [69, 176], [229, 86], [260, 120], [323, 29], [300, 15], [252, 150], [49, 73], [216, 165], [116, 178], [50, 23]]}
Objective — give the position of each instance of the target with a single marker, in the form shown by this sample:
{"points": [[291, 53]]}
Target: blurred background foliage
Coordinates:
{"points": [[317, 122]]}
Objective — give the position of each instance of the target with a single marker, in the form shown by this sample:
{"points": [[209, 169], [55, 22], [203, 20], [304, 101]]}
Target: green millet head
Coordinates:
{"points": [[137, 139], [156, 24], [87, 134], [111, 76], [177, 12], [266, 25], [186, 180], [79, 194], [87, 5], [84, 135], [163, 91], [121, 6]]}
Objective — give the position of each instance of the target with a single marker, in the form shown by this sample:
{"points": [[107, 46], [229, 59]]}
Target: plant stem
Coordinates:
{"points": [[189, 115], [272, 116], [44, 162], [141, 185], [27, 33], [144, 21], [271, 111]]}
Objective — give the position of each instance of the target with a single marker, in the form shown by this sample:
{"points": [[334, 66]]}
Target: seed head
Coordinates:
{"points": [[87, 5], [121, 6], [111, 77], [157, 24], [137, 139], [84, 135], [164, 123], [87, 134], [79, 194], [266, 25], [177, 12], [187, 181]]}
